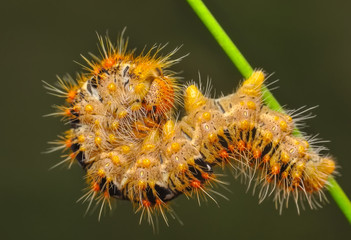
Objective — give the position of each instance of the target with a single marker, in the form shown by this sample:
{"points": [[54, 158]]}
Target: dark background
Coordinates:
{"points": [[306, 44]]}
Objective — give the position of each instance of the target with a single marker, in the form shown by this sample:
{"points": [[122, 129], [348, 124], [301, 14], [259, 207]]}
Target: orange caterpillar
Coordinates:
{"points": [[124, 135]]}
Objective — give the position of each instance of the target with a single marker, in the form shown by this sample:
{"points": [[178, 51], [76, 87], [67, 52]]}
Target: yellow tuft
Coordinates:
{"points": [[125, 149], [98, 140], [111, 87], [89, 108], [175, 147], [256, 79], [283, 125], [168, 129], [115, 159], [193, 98], [206, 116]]}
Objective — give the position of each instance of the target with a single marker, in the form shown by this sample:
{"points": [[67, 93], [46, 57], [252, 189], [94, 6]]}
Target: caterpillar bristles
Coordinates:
{"points": [[262, 140], [126, 135]]}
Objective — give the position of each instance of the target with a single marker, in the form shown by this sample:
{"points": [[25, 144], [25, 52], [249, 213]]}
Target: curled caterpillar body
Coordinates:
{"points": [[123, 133], [125, 136]]}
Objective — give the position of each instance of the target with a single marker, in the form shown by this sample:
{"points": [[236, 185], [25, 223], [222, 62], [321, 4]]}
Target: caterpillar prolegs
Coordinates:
{"points": [[125, 136]]}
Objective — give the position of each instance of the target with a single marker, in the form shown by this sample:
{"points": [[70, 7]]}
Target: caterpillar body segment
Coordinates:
{"points": [[258, 142]]}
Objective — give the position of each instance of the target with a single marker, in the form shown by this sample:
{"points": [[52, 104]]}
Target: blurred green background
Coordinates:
{"points": [[306, 44]]}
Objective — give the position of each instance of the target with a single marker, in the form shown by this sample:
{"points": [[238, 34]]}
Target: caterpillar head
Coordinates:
{"points": [[160, 98], [157, 92]]}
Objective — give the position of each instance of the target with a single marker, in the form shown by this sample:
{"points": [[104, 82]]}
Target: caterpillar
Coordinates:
{"points": [[124, 134]]}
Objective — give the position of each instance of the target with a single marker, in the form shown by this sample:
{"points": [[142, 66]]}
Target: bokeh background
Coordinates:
{"points": [[305, 43]]}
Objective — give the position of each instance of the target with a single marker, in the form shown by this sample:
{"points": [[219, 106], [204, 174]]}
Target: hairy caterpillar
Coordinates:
{"points": [[125, 136]]}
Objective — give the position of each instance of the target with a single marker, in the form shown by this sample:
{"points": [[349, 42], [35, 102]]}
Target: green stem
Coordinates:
{"points": [[222, 38], [340, 198], [246, 70]]}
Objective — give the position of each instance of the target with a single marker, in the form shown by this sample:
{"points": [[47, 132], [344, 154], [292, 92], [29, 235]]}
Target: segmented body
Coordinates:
{"points": [[259, 142], [124, 135]]}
